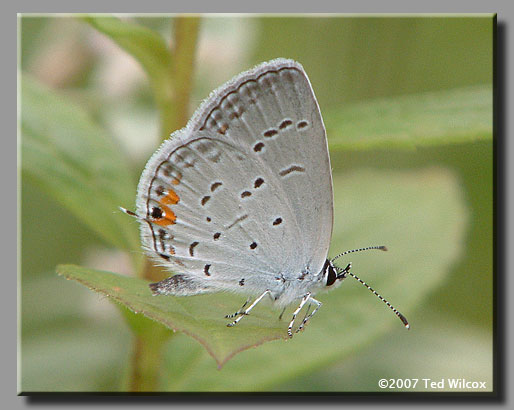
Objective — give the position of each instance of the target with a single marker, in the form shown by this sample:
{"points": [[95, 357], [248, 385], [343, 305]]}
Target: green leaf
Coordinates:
{"points": [[200, 316], [142, 43], [420, 216], [442, 117], [440, 348], [150, 50], [72, 158]]}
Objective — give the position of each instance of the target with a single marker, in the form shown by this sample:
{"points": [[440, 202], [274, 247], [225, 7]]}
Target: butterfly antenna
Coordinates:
{"points": [[381, 247], [346, 271]]}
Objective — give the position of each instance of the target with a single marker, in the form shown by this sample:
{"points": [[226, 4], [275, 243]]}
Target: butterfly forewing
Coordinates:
{"points": [[271, 111]]}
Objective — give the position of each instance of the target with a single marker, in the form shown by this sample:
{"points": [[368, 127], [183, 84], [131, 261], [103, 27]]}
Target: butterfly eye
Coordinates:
{"points": [[331, 274]]}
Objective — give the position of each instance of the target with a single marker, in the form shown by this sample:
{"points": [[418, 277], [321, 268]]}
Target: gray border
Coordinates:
{"points": [[505, 168]]}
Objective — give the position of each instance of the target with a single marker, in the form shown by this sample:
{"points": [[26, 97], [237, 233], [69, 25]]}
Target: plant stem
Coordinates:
{"points": [[185, 35], [173, 102], [174, 95], [147, 358], [145, 362]]}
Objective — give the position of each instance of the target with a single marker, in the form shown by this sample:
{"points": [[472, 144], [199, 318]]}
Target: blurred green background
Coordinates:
{"points": [[74, 339]]}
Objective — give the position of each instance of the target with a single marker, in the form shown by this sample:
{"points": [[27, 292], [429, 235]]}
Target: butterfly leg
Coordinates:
{"points": [[305, 298], [239, 311], [282, 314], [248, 309], [307, 317]]}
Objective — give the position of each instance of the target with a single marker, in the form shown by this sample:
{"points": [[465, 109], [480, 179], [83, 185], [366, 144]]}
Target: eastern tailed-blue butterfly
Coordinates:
{"points": [[241, 198]]}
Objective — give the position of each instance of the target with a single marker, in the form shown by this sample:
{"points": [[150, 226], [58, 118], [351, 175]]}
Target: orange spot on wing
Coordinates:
{"points": [[168, 217], [171, 199]]}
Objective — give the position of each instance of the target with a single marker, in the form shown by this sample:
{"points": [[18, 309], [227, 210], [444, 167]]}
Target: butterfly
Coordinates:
{"points": [[241, 199]]}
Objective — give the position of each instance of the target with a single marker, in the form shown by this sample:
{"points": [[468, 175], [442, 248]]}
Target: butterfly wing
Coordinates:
{"points": [[242, 196]]}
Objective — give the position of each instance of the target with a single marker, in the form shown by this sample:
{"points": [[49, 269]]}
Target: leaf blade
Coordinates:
{"points": [[187, 315], [406, 122], [145, 45], [66, 152]]}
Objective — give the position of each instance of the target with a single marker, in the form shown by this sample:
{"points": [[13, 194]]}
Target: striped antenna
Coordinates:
{"points": [[381, 247], [342, 274]]}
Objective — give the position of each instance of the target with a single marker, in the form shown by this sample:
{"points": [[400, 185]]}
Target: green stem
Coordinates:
{"points": [[185, 35], [147, 357], [172, 97]]}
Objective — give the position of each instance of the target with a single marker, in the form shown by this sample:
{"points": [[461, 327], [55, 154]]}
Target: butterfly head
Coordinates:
{"points": [[334, 275]]}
